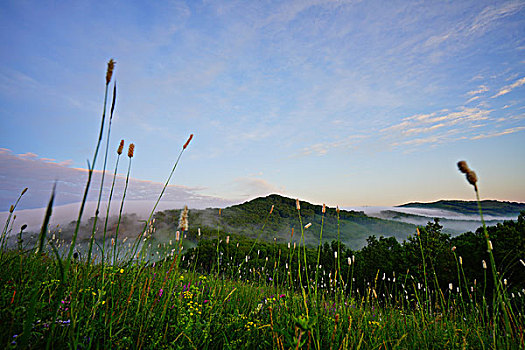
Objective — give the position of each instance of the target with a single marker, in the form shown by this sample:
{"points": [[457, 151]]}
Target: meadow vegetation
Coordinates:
{"points": [[214, 289]]}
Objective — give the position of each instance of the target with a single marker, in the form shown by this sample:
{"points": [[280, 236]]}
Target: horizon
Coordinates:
{"points": [[343, 103]]}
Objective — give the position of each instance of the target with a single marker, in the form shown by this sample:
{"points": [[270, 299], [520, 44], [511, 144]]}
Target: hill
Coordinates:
{"points": [[247, 219]]}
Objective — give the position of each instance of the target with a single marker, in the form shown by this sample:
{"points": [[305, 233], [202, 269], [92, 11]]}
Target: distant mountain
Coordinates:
{"points": [[247, 220], [489, 207]]}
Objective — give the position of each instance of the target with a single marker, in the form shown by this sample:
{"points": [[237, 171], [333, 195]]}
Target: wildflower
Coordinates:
{"points": [[335, 255], [489, 244], [227, 239], [349, 261], [177, 236], [450, 286], [120, 147], [454, 248], [308, 225], [121, 270], [484, 264], [460, 261]]}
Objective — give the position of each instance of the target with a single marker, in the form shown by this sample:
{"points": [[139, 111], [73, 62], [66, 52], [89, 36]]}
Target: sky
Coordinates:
{"points": [[349, 103]]}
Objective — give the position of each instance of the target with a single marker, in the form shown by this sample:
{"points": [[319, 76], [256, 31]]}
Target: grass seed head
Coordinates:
{"points": [[187, 142], [131, 150], [463, 167], [297, 205], [120, 147], [109, 72], [472, 178], [23, 191]]}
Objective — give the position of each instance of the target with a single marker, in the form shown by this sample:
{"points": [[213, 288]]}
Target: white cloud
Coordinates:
{"points": [[473, 99], [500, 133], [506, 89], [39, 175], [481, 89]]}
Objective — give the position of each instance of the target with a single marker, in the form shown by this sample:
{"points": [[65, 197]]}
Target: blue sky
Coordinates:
{"points": [[343, 102]]}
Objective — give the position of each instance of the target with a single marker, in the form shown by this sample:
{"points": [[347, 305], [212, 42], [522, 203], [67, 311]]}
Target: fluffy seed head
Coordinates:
{"points": [[120, 147], [109, 72], [131, 149], [454, 248], [183, 220], [484, 264]]}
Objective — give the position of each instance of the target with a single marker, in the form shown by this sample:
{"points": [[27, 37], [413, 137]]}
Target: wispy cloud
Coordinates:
{"points": [[500, 133], [323, 148], [506, 89], [436, 127], [481, 89]]}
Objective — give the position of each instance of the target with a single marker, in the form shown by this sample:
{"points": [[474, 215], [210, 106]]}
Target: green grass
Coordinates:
{"points": [[159, 305]]}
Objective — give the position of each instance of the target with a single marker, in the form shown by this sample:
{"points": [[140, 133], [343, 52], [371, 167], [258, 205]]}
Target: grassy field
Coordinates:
{"points": [[50, 297]]}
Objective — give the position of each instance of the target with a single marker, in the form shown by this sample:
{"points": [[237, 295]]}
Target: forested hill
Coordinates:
{"points": [[489, 207], [247, 219]]}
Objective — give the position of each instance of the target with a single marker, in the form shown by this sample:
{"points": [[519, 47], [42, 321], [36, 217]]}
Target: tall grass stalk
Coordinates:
{"points": [[91, 167], [103, 176], [146, 224], [115, 250], [119, 153], [5, 231], [424, 268]]}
